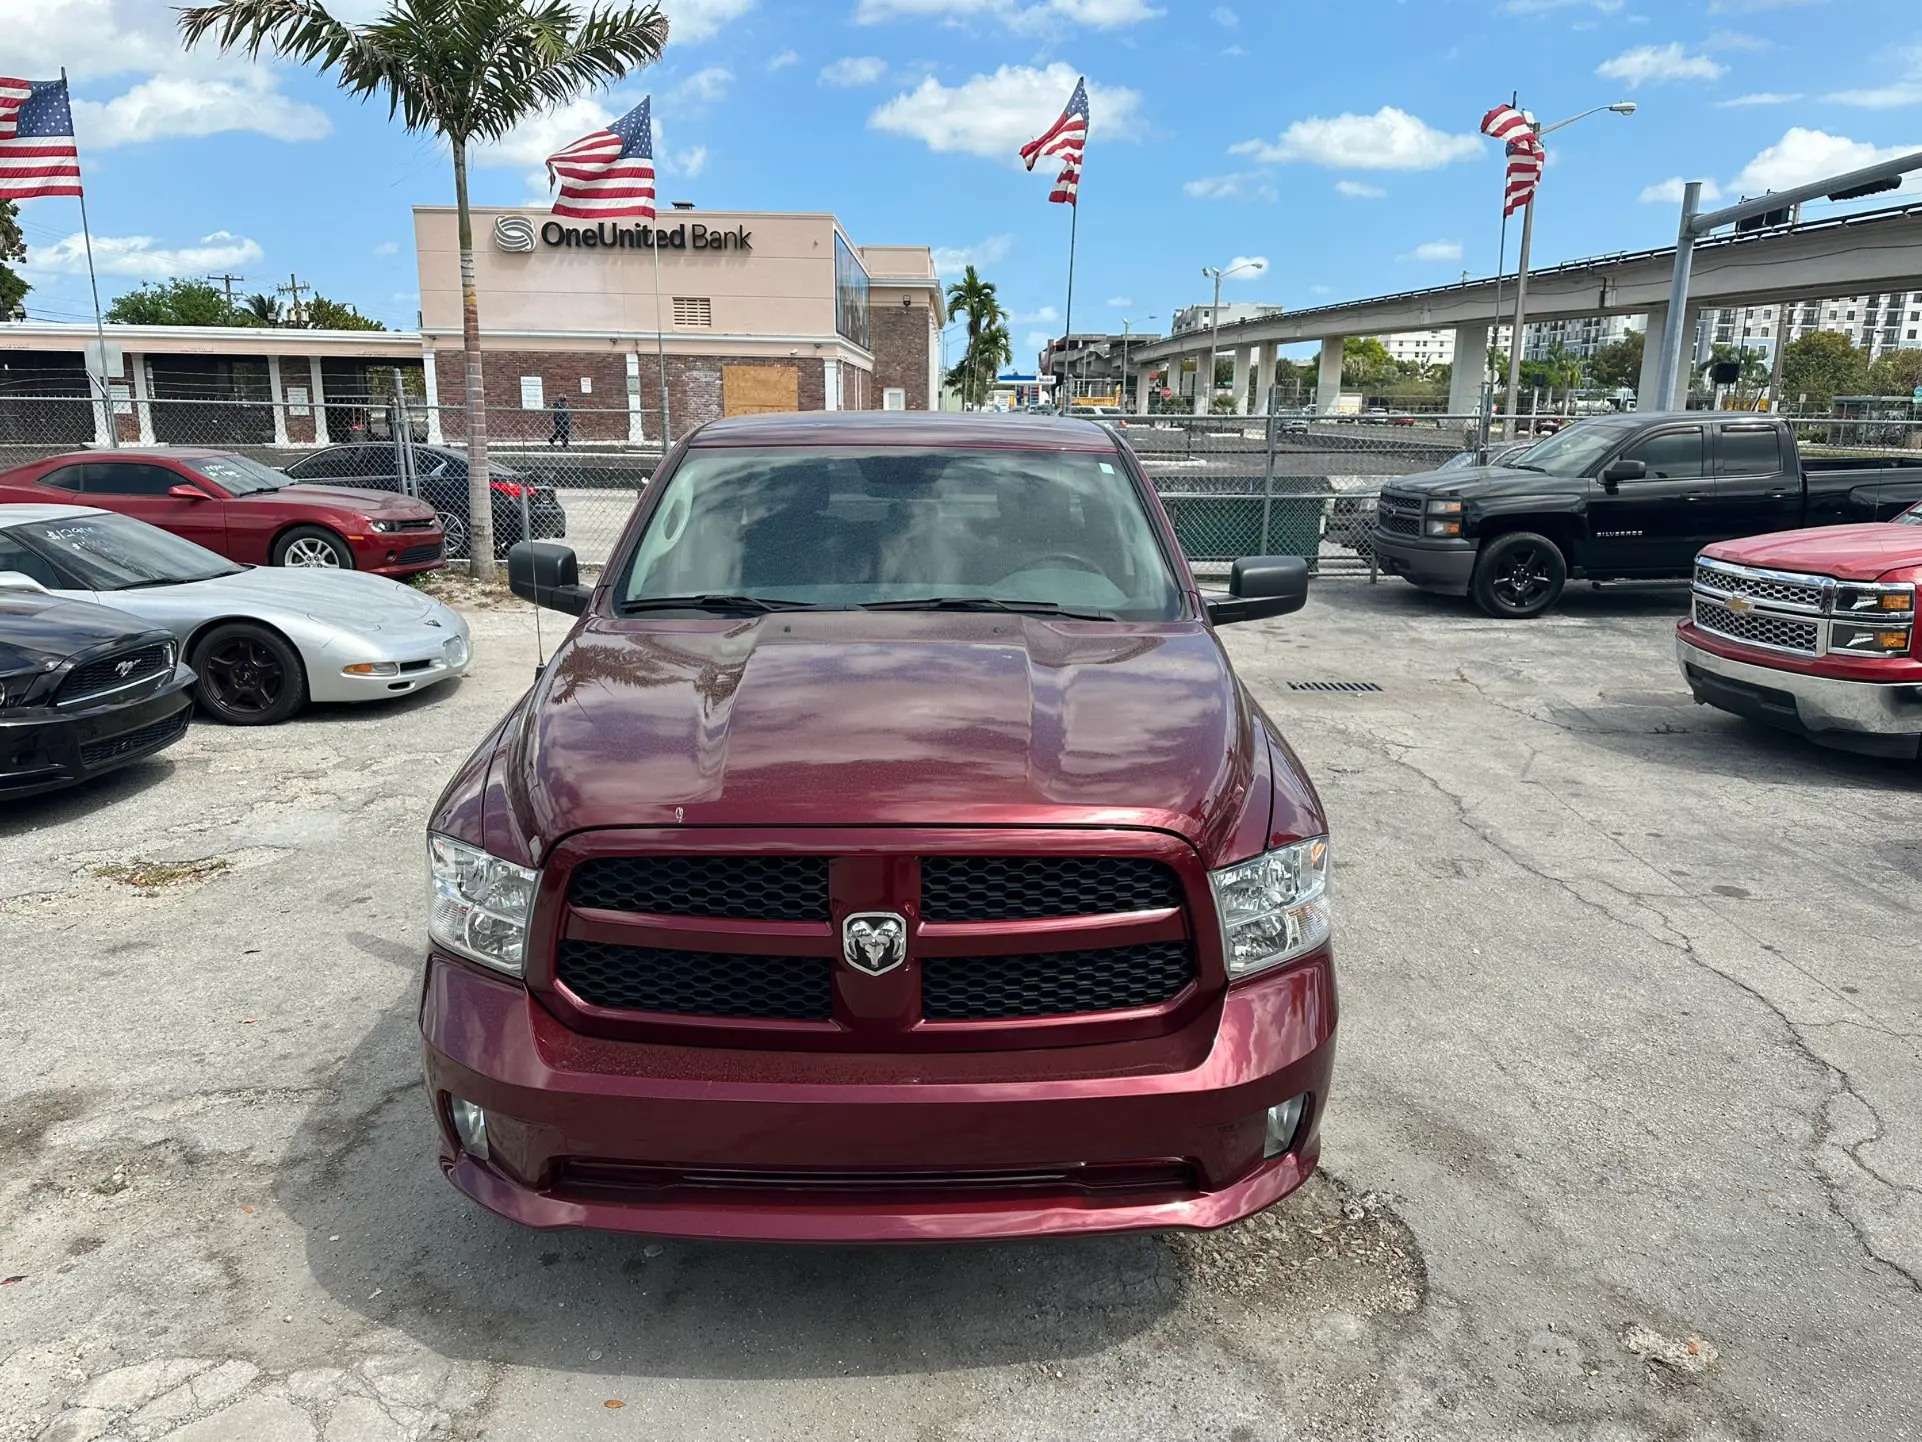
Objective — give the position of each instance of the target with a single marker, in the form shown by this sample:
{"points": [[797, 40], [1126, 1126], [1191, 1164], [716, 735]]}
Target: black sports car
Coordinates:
{"points": [[83, 689], [438, 475]]}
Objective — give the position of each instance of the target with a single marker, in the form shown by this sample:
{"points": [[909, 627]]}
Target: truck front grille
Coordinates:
{"points": [[1810, 593], [1398, 516], [732, 888], [1032, 888], [1758, 628], [1065, 983], [698, 983]]}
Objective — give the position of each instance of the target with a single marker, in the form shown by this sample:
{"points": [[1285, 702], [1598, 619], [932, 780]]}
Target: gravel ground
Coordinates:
{"points": [[1624, 1143]]}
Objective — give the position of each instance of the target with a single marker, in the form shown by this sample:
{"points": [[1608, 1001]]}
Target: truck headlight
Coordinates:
{"points": [[1875, 601], [1887, 639], [1442, 518], [481, 904], [1274, 908]]}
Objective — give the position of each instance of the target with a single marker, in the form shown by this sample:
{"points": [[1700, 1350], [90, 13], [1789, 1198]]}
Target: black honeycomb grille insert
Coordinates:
{"points": [[107, 674], [989, 988], [698, 983], [1033, 888], [737, 888]]}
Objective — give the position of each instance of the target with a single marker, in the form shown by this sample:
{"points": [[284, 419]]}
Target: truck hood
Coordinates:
{"points": [[854, 719], [1480, 482], [1848, 553]]}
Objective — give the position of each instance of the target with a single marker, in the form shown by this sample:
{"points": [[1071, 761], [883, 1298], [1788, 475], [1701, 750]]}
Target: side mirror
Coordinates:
{"points": [[1619, 471], [18, 581], [1260, 587], [187, 493], [548, 575]]}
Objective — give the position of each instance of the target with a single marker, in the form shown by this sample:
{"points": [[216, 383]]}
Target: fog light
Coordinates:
{"points": [[1283, 1122], [470, 1125]]}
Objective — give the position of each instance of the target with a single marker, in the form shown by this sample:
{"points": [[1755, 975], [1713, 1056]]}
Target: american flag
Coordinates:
{"points": [[37, 154], [1066, 138], [609, 173], [1525, 154]]}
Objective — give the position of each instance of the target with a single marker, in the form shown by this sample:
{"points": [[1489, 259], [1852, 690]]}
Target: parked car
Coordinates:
{"points": [[1621, 497], [889, 853], [1292, 422], [439, 477], [238, 508], [263, 641], [1498, 455], [84, 690], [1813, 632]]}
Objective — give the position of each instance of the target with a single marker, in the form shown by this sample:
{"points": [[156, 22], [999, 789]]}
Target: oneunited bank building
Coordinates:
{"points": [[748, 311]]}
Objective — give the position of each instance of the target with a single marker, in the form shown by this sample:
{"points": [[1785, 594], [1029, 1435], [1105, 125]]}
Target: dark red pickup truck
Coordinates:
{"points": [[890, 853]]}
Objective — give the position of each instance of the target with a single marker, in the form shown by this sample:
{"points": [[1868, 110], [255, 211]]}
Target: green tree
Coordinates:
{"points": [[263, 308], [325, 314], [1897, 373], [975, 298], [177, 302], [13, 246], [1819, 367], [468, 71], [1365, 363], [1618, 365]]}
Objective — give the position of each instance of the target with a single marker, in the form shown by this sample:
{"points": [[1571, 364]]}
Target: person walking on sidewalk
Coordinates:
{"points": [[563, 431]]}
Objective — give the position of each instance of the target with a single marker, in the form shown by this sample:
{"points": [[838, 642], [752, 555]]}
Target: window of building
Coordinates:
{"points": [[894, 398], [850, 295], [693, 310]]}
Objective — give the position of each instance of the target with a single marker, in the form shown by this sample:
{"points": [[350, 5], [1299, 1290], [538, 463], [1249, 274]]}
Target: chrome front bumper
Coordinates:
{"points": [[1821, 703]]}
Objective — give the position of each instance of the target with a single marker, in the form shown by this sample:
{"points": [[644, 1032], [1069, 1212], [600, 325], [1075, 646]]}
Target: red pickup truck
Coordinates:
{"points": [[889, 853], [1814, 632]]}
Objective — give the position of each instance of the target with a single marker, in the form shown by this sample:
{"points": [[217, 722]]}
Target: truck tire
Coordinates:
{"points": [[1519, 576]]}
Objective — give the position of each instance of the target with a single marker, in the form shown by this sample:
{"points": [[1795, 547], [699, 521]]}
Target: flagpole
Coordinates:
{"points": [[1067, 333], [99, 325]]}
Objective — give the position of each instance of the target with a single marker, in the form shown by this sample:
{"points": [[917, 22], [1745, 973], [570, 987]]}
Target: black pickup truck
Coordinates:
{"points": [[1630, 497]]}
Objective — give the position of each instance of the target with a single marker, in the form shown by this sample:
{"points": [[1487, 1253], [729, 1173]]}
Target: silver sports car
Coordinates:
{"points": [[264, 640]]}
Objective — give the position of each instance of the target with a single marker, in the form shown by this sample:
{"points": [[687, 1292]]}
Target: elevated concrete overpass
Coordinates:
{"points": [[1866, 253]]}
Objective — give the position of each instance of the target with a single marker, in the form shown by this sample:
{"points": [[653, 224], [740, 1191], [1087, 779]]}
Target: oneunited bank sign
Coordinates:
{"points": [[518, 233]]}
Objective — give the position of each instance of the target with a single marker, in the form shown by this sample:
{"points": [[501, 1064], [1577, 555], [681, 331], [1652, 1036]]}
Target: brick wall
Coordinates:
{"points": [[599, 415], [901, 350]]}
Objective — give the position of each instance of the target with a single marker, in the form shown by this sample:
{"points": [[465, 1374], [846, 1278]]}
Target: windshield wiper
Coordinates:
{"points": [[990, 603], [1518, 466], [758, 605]]}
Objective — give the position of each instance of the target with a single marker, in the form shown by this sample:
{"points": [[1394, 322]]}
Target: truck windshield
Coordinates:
{"points": [[1575, 451], [844, 526]]}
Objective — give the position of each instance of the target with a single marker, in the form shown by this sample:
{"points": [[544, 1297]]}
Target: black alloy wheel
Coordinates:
{"points": [[1519, 576], [249, 675]]}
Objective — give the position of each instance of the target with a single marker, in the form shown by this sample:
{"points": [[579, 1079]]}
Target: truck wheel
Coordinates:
{"points": [[1519, 576]]}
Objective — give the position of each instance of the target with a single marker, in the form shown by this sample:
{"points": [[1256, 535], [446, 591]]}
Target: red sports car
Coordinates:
{"points": [[240, 509]]}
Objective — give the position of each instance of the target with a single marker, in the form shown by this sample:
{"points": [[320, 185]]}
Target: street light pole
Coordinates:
{"points": [[1214, 335], [1127, 323]]}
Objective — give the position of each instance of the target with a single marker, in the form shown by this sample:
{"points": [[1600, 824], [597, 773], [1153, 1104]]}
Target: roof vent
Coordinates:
{"points": [[684, 205]]}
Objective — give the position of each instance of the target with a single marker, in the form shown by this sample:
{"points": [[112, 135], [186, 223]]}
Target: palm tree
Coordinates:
{"points": [[975, 298], [263, 308], [469, 71]]}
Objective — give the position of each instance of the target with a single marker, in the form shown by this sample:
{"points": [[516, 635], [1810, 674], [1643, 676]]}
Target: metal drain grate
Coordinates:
{"points": [[1352, 688]]}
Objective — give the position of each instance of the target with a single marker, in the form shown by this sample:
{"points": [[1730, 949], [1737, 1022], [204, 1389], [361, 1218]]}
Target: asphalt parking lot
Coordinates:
{"points": [[1626, 1140]]}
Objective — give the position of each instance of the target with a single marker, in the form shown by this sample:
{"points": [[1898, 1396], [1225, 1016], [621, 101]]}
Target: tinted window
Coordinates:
{"points": [[1670, 455], [237, 475], [124, 478], [113, 553], [1751, 451], [67, 478], [16, 557], [847, 527], [322, 467]]}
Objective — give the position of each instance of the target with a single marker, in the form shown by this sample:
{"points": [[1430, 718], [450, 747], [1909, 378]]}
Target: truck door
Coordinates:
{"points": [[1653, 526], [1758, 482]]}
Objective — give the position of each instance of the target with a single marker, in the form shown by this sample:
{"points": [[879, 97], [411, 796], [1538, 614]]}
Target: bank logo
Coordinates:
{"points": [[874, 942], [514, 232]]}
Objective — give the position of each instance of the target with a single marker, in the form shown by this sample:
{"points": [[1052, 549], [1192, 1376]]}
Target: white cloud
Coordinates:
{"points": [[1238, 186], [387, 247], [1042, 14], [1249, 267], [1047, 315], [691, 20], [137, 255], [1544, 7], [1905, 91], [854, 70], [1802, 156], [169, 106], [1321, 290], [953, 259], [539, 136], [1669, 192], [1121, 302], [1224, 16], [1039, 340], [1760, 97], [783, 60], [704, 87], [1737, 40], [995, 115], [1749, 7], [1355, 190], [1659, 64], [1435, 250], [1390, 139], [691, 163]]}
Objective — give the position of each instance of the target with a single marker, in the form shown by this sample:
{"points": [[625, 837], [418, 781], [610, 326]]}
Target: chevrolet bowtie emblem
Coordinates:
{"points": [[1740, 605]]}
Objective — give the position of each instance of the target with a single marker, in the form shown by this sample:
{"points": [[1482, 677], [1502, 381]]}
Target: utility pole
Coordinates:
{"points": [[297, 307], [229, 282]]}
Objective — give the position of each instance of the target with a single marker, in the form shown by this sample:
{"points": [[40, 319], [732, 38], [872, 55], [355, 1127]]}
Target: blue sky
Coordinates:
{"points": [[1334, 142]]}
